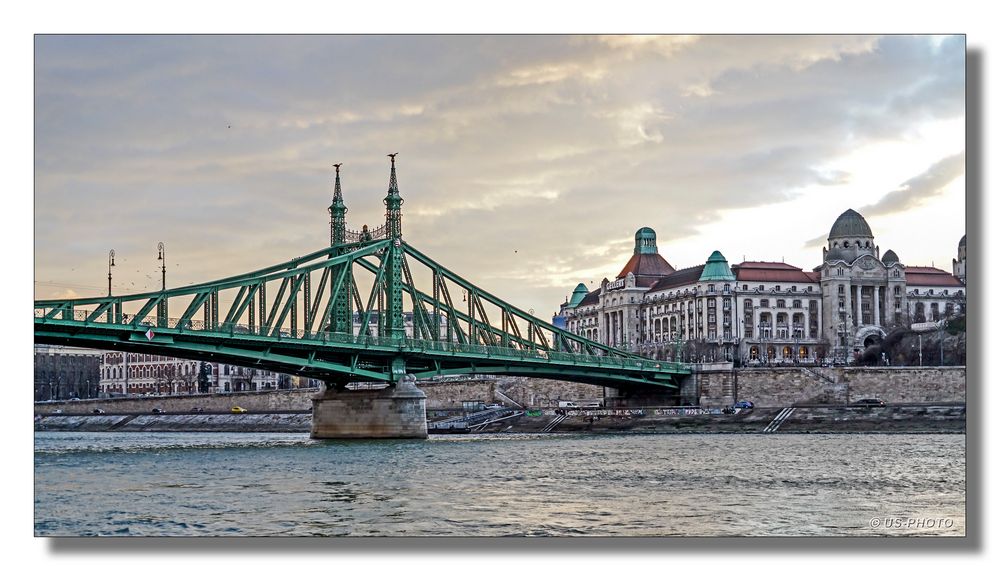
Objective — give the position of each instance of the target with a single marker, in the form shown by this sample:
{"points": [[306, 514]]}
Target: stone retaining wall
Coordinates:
{"points": [[527, 392], [764, 386], [784, 386], [297, 399]]}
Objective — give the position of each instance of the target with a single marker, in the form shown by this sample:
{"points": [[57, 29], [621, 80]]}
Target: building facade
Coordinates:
{"points": [[66, 372], [764, 312], [123, 373]]}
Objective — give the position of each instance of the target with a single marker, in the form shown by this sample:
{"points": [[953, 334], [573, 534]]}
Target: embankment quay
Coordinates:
{"points": [[925, 399], [894, 418]]}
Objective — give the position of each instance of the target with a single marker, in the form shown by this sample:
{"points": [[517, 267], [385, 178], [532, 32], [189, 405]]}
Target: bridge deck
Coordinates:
{"points": [[328, 355]]}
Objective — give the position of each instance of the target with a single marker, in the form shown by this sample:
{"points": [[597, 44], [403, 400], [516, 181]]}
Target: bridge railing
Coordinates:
{"points": [[238, 329]]}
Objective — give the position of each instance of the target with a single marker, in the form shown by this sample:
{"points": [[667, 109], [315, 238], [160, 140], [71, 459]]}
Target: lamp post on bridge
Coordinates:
{"points": [[162, 256], [161, 309], [111, 264]]}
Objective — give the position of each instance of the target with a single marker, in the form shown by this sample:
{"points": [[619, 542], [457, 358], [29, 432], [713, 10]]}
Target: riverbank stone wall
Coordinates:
{"points": [[707, 387], [786, 386]]}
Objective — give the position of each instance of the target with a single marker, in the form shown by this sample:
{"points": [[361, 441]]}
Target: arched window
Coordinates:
{"points": [[866, 244], [786, 353]]}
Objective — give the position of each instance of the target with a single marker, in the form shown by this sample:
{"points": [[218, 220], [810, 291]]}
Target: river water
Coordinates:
{"points": [[212, 484]]}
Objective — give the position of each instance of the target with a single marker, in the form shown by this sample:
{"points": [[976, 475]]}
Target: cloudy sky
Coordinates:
{"points": [[526, 163]]}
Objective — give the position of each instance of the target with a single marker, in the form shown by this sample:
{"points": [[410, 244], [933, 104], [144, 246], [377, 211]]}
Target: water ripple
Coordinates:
{"points": [[218, 484]]}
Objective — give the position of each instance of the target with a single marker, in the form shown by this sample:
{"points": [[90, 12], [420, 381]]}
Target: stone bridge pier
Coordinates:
{"points": [[397, 411]]}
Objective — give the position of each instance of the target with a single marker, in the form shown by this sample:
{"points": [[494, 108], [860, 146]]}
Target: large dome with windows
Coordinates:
{"points": [[850, 224]]}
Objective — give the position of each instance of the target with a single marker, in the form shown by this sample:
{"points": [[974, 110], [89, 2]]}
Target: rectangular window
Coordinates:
{"points": [[765, 303], [781, 303]]}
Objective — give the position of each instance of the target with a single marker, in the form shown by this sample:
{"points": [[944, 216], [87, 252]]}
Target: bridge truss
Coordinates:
{"points": [[371, 307]]}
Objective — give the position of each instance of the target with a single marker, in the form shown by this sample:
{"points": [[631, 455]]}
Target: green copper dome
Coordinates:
{"points": [[578, 294], [717, 269], [645, 241], [890, 257], [850, 224]]}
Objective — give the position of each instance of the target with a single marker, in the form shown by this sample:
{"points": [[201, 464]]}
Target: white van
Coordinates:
{"points": [[574, 404]]}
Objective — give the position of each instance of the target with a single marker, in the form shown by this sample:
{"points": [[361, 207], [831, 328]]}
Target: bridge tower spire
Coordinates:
{"points": [[338, 213], [394, 257], [342, 319]]}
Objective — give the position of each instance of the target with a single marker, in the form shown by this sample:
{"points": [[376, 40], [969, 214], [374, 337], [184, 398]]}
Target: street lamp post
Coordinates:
{"points": [[111, 264], [843, 338], [920, 349], [162, 256], [941, 345]]}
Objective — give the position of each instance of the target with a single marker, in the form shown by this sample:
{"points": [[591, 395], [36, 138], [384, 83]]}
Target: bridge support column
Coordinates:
{"points": [[397, 411]]}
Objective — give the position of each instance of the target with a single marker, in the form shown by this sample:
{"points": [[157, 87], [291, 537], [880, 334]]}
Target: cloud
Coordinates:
{"points": [[920, 188], [817, 242], [556, 146]]}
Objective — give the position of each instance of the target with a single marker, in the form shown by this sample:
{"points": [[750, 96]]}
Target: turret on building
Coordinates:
{"points": [[958, 264]]}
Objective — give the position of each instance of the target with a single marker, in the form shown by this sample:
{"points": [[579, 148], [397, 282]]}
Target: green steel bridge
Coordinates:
{"points": [[301, 317]]}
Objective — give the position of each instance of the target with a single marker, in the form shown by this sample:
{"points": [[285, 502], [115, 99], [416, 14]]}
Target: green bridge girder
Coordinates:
{"points": [[406, 325]]}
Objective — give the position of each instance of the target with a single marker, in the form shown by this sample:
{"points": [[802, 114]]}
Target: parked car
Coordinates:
{"points": [[197, 409], [158, 411], [871, 403], [743, 404], [57, 411], [494, 405], [238, 410], [98, 411]]}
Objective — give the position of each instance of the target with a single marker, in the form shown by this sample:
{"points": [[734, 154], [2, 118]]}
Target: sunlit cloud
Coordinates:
{"points": [[920, 188], [556, 147]]}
